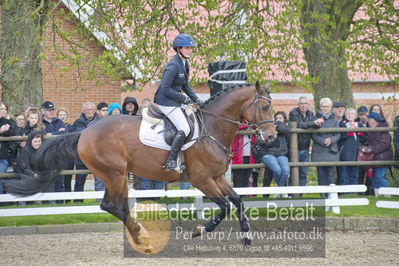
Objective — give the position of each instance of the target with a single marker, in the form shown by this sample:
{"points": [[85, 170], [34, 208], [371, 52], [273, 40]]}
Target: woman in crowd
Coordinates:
{"points": [[325, 145], [274, 155], [114, 109], [349, 144], [23, 163], [376, 108], [34, 122], [380, 144], [241, 148], [63, 114]]}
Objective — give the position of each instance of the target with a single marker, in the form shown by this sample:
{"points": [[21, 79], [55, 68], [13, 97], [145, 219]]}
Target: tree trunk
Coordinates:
{"points": [[324, 24], [21, 47]]}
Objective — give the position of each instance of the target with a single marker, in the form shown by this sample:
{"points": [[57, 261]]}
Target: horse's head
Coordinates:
{"points": [[258, 113]]}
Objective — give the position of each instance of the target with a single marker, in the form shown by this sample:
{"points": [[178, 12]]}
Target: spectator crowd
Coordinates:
{"points": [[320, 147], [35, 123]]}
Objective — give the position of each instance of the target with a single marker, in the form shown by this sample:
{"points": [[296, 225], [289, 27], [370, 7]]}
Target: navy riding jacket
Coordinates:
{"points": [[174, 80]]}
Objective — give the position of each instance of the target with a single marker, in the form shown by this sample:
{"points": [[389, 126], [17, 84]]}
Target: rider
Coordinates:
{"points": [[170, 98]]}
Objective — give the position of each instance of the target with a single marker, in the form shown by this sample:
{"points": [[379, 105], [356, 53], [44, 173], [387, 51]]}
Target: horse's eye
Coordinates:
{"points": [[265, 107]]}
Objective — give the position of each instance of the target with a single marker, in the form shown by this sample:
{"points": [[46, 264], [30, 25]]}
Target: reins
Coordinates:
{"points": [[253, 127]]}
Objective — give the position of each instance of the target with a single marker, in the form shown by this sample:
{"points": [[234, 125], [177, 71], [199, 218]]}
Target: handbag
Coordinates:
{"points": [[365, 153]]}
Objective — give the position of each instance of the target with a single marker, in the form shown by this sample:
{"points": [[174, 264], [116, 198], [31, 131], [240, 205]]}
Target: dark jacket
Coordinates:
{"points": [[380, 143], [303, 121], [278, 147], [321, 153], [6, 145], [54, 127], [349, 143], [130, 100], [23, 162], [82, 122], [174, 80]]}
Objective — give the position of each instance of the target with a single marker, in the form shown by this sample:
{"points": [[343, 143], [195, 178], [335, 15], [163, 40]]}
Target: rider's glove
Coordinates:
{"points": [[188, 101], [200, 103]]}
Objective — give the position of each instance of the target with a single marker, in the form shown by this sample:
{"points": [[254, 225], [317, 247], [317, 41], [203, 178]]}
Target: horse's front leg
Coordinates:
{"points": [[211, 190], [236, 200]]}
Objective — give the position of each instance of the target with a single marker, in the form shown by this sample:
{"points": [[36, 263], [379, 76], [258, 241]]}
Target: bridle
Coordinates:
{"points": [[253, 127]]}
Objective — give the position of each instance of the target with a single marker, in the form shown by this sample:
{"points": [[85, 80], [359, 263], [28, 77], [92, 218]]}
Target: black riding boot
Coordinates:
{"points": [[171, 163]]}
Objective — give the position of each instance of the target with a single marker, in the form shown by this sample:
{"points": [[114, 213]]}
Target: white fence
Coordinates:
{"points": [[333, 201], [388, 191]]}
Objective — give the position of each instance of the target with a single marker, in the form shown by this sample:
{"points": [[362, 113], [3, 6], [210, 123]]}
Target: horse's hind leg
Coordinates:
{"points": [[115, 202], [228, 191], [211, 190]]}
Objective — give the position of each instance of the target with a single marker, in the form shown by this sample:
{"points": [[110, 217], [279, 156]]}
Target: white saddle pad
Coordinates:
{"points": [[155, 138]]}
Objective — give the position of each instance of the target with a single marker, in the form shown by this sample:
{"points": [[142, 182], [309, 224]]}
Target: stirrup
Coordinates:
{"points": [[178, 168]]}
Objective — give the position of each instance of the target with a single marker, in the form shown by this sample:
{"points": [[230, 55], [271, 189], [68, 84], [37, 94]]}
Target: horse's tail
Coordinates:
{"points": [[52, 157]]}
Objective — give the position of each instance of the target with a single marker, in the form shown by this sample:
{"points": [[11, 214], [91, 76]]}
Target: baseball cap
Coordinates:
{"points": [[48, 105], [362, 109]]}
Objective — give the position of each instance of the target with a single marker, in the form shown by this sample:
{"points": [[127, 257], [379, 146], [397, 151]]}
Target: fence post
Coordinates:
{"points": [[294, 158]]}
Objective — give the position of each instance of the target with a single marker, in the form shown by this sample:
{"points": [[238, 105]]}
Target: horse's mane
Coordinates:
{"points": [[224, 91]]}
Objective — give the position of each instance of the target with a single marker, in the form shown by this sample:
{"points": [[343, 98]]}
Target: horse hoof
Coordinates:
{"points": [[247, 241], [197, 231], [148, 250]]}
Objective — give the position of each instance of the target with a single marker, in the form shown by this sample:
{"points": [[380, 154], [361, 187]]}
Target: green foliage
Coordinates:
{"points": [[266, 34]]}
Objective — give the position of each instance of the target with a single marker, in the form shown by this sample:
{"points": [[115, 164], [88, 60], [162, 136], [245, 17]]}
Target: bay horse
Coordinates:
{"points": [[110, 148]]}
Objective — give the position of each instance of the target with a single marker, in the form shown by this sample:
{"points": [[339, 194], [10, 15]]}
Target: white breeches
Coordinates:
{"points": [[175, 114]]}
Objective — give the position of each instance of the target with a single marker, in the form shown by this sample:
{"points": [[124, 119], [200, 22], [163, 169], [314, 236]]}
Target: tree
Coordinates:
{"points": [[307, 43], [21, 51]]}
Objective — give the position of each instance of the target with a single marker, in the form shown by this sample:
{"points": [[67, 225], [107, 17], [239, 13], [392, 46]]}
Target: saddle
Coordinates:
{"points": [[154, 115]]}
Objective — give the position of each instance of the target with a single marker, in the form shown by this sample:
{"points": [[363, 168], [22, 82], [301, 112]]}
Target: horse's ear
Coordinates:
{"points": [[257, 86], [267, 86]]}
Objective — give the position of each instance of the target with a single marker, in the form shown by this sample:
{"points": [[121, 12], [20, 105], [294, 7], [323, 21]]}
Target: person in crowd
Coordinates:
{"points": [[130, 106], [102, 109], [362, 113], [339, 111], [114, 109], [376, 108], [34, 122], [88, 117], [63, 114], [7, 129], [348, 145], [23, 162], [20, 120], [325, 145], [380, 144], [169, 96], [53, 125], [274, 154], [304, 119], [241, 148], [16, 146], [23, 165]]}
